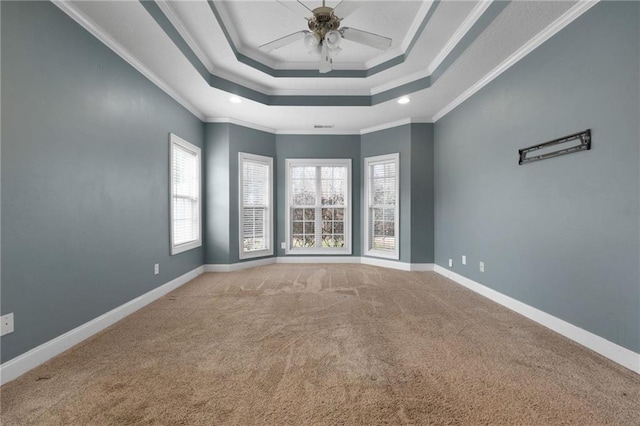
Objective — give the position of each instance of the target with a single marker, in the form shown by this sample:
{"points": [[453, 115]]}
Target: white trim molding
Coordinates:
{"points": [[232, 267], [623, 356], [457, 36], [260, 160], [395, 264], [319, 259], [94, 29], [568, 17], [176, 141], [347, 206], [353, 260], [40, 354], [367, 219], [240, 123]]}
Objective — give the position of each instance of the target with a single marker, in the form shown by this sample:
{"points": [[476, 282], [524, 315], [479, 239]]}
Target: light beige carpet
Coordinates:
{"points": [[324, 344]]}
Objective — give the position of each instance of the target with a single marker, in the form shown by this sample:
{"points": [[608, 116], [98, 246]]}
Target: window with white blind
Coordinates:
{"points": [[256, 211], [318, 215], [185, 209], [381, 218]]}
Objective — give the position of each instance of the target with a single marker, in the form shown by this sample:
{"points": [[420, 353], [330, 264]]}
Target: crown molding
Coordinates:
{"points": [[364, 131], [384, 126], [167, 9], [459, 34], [556, 26], [392, 124], [398, 82], [230, 120], [95, 30], [318, 132]]}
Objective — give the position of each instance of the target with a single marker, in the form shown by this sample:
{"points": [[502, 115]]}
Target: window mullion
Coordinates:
{"points": [[318, 208]]}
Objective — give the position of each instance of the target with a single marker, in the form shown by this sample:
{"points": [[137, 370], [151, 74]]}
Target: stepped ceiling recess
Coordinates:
{"points": [[203, 53]]}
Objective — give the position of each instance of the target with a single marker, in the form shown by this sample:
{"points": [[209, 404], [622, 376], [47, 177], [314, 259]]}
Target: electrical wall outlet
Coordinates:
{"points": [[481, 266], [283, 245], [464, 259], [450, 263], [156, 269], [6, 324]]}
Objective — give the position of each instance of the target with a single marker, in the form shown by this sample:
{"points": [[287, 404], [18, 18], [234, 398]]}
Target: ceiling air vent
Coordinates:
{"points": [[323, 126]]}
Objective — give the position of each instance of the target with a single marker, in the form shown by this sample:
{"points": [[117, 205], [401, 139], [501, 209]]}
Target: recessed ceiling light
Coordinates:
{"points": [[235, 99], [404, 100]]}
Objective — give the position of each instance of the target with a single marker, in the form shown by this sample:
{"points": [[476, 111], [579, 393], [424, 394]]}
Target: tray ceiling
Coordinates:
{"points": [[203, 52]]}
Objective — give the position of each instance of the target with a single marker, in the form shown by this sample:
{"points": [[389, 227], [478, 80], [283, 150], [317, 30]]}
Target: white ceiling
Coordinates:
{"points": [[130, 30], [257, 22]]}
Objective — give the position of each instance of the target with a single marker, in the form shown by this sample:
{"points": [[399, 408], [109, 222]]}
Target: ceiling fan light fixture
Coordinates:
{"points": [[404, 100], [333, 38], [311, 41]]}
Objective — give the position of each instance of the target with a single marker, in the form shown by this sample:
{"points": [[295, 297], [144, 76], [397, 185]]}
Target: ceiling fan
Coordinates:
{"points": [[324, 34]]}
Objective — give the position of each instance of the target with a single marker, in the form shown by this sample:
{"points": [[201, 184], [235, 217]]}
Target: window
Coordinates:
{"points": [[186, 219], [256, 213], [319, 206], [381, 177]]}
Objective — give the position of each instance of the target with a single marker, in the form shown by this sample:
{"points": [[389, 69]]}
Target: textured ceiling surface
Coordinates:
{"points": [[187, 51], [259, 22]]}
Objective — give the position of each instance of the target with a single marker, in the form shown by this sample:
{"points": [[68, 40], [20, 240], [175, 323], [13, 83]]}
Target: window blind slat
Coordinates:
{"points": [[185, 194], [256, 199]]}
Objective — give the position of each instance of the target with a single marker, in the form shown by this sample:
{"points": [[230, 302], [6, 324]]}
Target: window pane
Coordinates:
{"points": [[255, 183], [318, 195], [254, 232], [333, 182], [185, 193], [382, 198], [303, 192], [309, 214], [297, 214], [256, 198]]}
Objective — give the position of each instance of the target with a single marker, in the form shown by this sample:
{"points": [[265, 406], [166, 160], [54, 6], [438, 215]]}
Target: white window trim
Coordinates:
{"points": [[176, 140], [347, 249], [368, 162], [242, 156]]}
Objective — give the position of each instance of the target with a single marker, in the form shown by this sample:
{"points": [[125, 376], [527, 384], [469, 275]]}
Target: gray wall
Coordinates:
{"points": [[561, 234], [414, 143], [319, 146], [422, 198], [217, 232], [85, 183], [223, 142], [252, 141]]}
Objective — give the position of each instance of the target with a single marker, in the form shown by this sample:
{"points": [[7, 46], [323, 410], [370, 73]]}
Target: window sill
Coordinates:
{"points": [[185, 247]]}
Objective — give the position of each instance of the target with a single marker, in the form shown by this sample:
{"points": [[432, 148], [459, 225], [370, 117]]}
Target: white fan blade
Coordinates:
{"points": [[325, 60], [283, 41], [345, 8], [365, 37], [297, 7]]}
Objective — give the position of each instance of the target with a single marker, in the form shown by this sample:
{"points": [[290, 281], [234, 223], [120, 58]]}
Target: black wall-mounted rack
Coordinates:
{"points": [[585, 145]]}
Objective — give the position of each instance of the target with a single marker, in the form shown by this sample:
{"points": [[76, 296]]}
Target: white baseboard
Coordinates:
{"points": [[318, 259], [384, 263], [422, 267], [38, 355], [623, 356], [239, 266]]}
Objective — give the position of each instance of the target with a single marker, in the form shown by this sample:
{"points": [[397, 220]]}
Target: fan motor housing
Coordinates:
{"points": [[323, 20]]}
